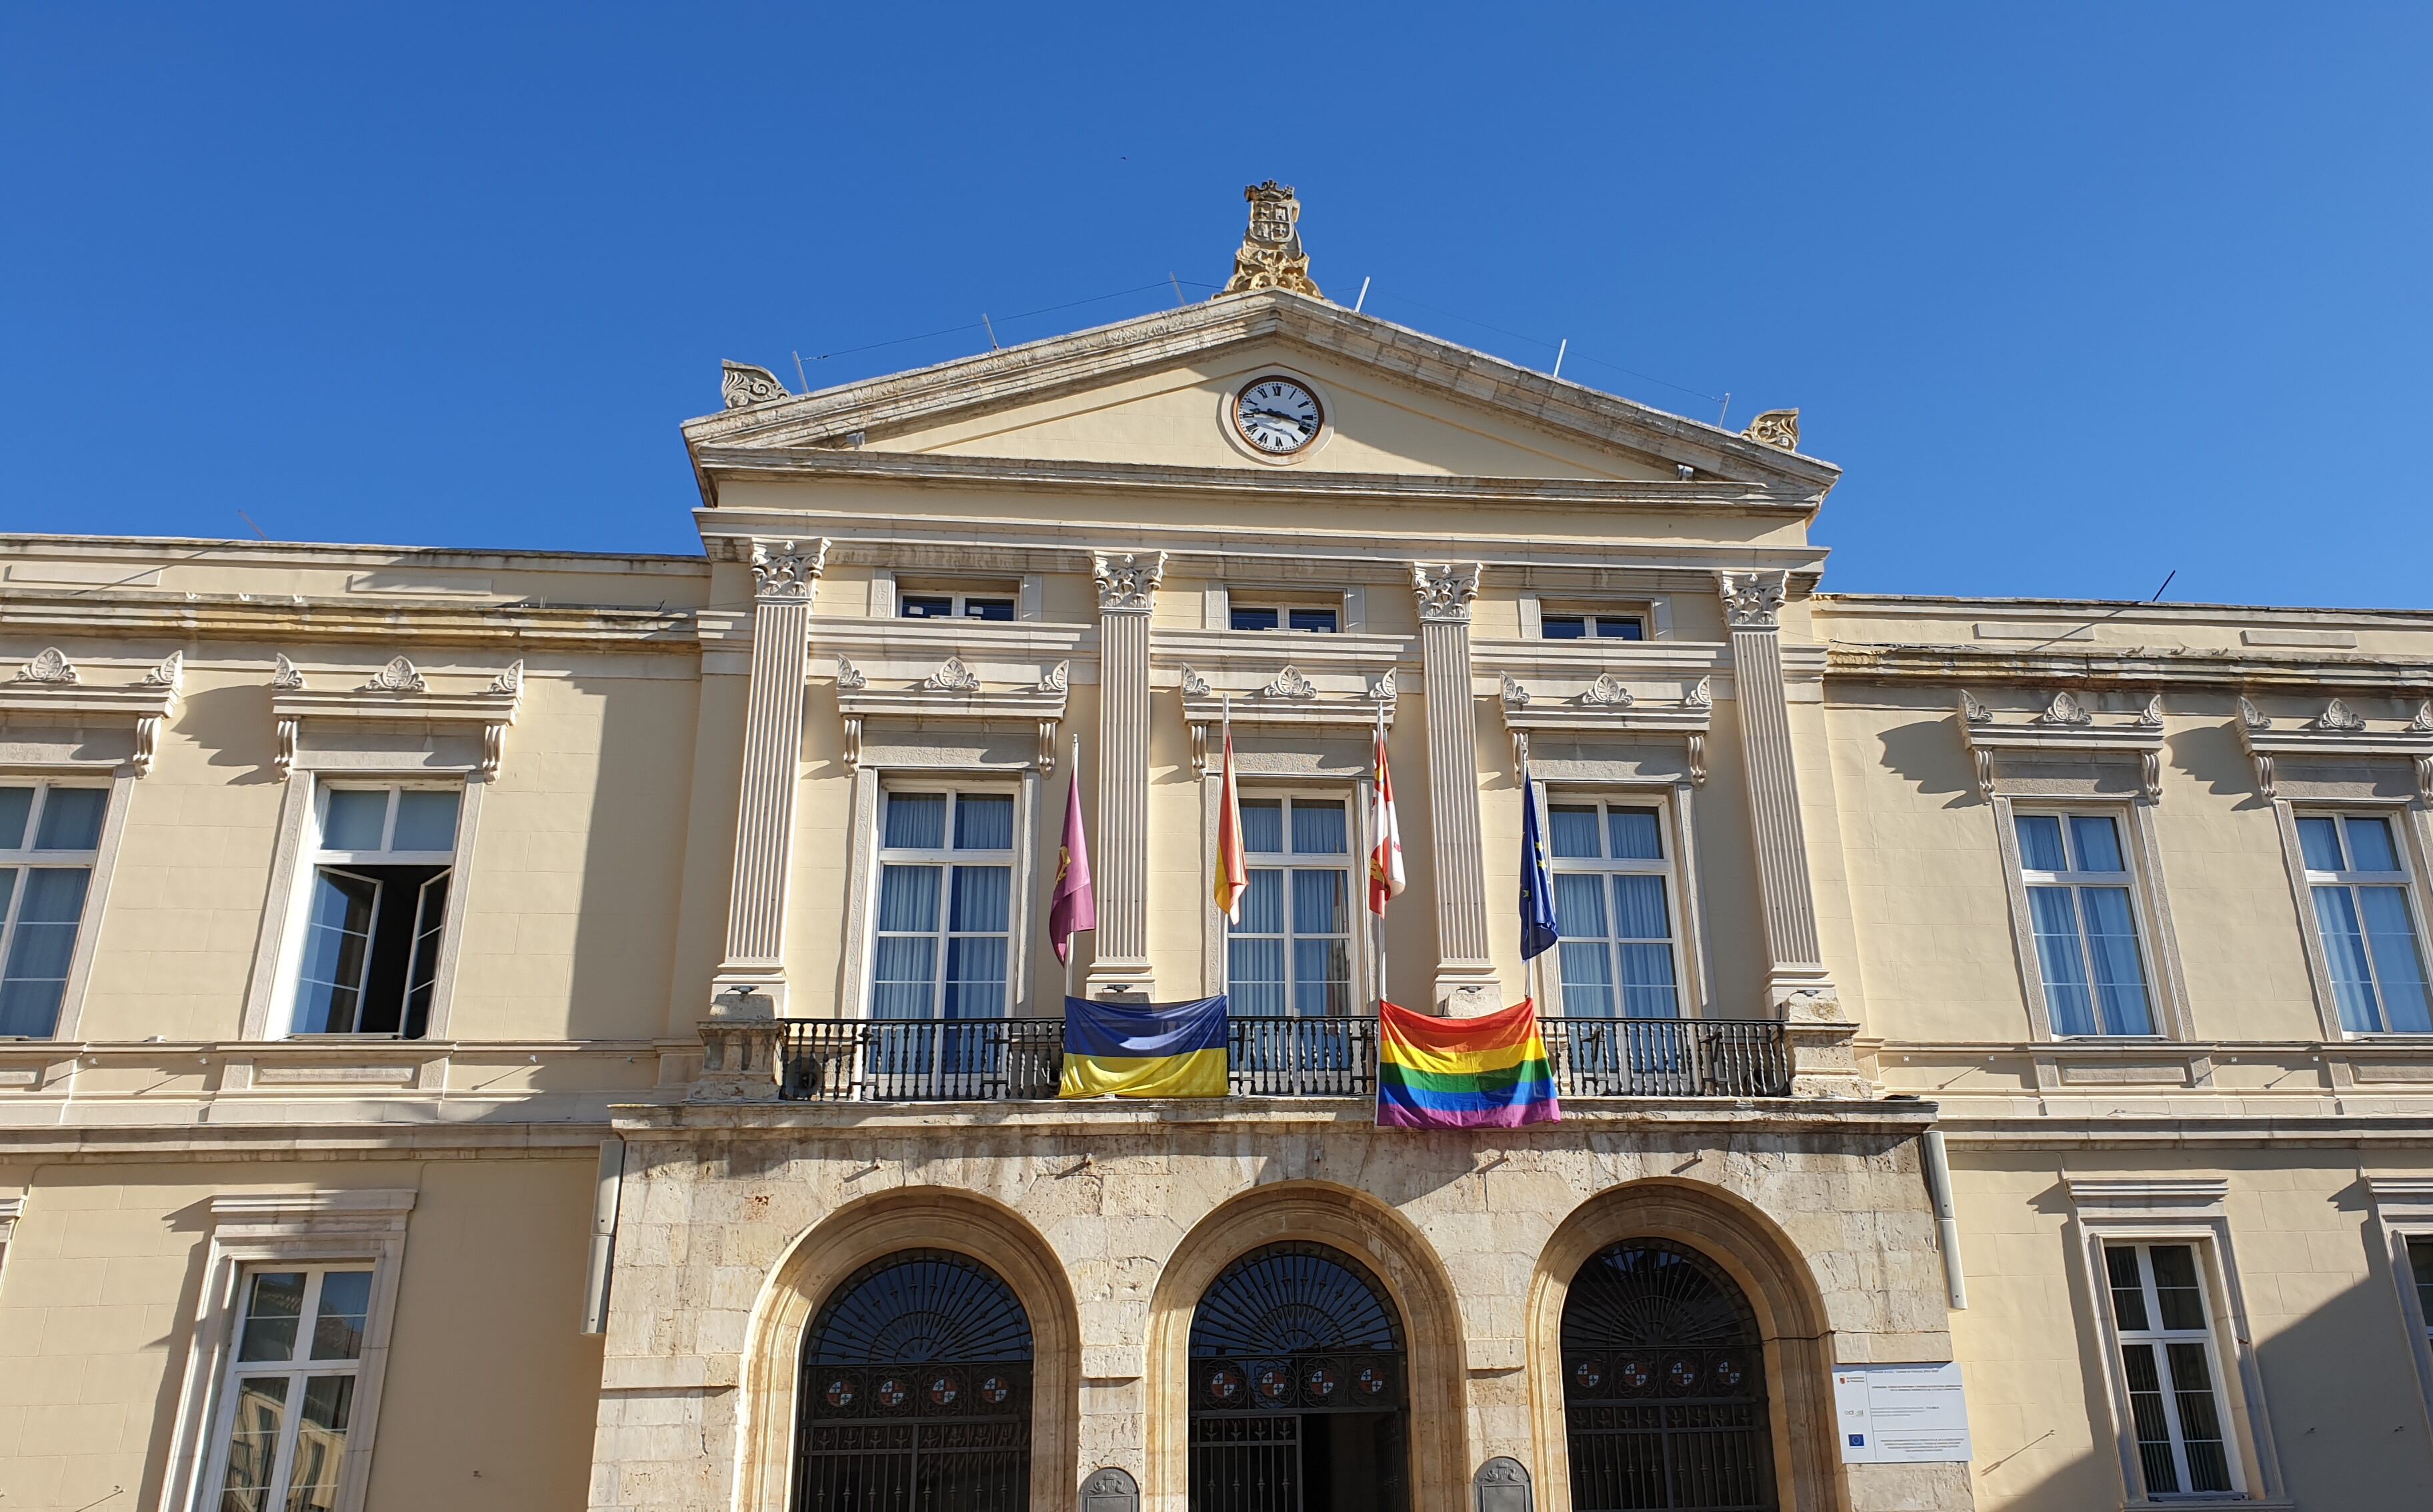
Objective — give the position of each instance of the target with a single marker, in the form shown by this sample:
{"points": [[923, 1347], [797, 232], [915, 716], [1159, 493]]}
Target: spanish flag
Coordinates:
{"points": [[1488, 1072], [1232, 865], [1150, 1050]]}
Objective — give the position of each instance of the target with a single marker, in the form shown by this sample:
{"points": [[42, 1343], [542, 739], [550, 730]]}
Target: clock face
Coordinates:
{"points": [[1277, 415]]}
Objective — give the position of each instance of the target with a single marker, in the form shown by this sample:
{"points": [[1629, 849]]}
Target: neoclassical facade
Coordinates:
{"points": [[554, 1030]]}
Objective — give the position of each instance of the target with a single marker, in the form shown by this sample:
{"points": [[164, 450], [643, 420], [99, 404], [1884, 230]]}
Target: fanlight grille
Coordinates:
{"points": [[1287, 1299], [919, 1305], [1647, 1295]]}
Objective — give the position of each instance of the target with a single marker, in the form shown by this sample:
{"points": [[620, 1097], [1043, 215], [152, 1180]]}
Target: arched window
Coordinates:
{"points": [[916, 1392], [1298, 1391], [1663, 1385]]}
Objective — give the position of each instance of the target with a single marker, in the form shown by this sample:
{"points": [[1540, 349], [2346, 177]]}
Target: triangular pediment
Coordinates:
{"points": [[1150, 393]]}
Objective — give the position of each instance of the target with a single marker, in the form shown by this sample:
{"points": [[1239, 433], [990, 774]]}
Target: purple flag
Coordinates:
{"points": [[1074, 906]]}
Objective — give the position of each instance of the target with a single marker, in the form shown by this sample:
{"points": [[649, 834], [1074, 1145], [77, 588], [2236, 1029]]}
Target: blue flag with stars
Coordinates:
{"points": [[1538, 928]]}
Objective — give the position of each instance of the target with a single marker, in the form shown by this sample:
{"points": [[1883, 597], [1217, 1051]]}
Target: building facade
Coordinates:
{"points": [[498, 1030]]}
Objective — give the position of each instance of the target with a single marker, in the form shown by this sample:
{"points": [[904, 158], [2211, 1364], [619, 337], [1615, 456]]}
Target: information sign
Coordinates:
{"points": [[1901, 1414]]}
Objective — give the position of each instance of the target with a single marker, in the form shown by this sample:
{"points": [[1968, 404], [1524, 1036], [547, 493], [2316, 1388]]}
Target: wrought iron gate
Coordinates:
{"points": [[916, 1392], [1664, 1385], [1297, 1396]]}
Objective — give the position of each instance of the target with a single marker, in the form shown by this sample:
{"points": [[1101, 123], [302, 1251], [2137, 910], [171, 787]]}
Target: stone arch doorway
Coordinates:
{"points": [[1299, 1396], [916, 1391], [1663, 1385]]}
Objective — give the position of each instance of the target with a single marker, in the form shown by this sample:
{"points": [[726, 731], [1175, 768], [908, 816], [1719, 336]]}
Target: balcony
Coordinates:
{"points": [[1016, 1059]]}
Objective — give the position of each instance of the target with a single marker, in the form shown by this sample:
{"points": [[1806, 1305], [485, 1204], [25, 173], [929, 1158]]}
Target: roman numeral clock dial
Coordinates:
{"points": [[1277, 415]]}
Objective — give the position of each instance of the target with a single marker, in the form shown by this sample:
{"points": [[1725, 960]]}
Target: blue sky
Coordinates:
{"points": [[2077, 295]]}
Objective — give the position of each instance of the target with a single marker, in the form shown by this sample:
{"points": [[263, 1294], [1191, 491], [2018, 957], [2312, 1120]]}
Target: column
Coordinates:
{"points": [[1466, 982], [1796, 985], [1127, 591], [783, 577]]}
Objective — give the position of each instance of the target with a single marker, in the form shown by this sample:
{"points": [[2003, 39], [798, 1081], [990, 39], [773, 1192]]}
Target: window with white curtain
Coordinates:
{"points": [[381, 862], [50, 837], [288, 1400], [1291, 953], [2082, 906], [1616, 903], [2168, 1362], [2365, 912], [945, 894]]}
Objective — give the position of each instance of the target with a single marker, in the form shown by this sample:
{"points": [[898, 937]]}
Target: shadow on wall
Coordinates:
{"points": [[2344, 1401], [1933, 755]]}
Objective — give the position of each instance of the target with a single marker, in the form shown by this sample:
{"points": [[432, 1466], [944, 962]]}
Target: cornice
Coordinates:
{"points": [[1014, 474], [1037, 370], [152, 550], [2137, 668], [285, 620]]}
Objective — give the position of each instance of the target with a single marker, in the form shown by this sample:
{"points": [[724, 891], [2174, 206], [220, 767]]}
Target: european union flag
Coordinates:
{"points": [[1538, 928]]}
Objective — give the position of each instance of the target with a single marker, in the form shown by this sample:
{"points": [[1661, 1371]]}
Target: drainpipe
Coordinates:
{"points": [[604, 1235], [1947, 1226]]}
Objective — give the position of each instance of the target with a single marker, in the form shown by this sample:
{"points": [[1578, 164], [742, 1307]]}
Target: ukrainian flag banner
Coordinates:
{"points": [[1144, 1050], [1488, 1072]]}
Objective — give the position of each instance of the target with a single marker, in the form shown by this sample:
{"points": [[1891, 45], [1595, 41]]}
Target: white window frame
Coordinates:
{"points": [[2406, 830], [1592, 623], [97, 862], [270, 1000], [1671, 827], [318, 856], [959, 598], [279, 1488], [1349, 605], [252, 1231], [1028, 593], [2125, 880], [1017, 911], [2191, 1210], [1654, 613], [2157, 1337], [2167, 1002], [1354, 796]]}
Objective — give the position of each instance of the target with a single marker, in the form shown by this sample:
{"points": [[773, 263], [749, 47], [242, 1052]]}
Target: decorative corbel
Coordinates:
{"points": [[170, 674], [852, 743]]}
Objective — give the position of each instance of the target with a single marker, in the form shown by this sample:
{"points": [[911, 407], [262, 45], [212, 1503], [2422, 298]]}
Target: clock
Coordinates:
{"points": [[1277, 415]]}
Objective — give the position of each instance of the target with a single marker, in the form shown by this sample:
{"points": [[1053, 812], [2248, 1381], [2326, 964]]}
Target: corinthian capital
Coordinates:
{"points": [[1753, 601], [780, 569], [1127, 580], [1445, 589]]}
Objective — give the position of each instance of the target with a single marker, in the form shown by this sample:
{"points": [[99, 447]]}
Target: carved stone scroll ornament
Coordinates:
{"points": [[1195, 686], [1381, 687], [1973, 709], [510, 681], [170, 674], [1515, 695], [1775, 428], [780, 569], [850, 678], [740, 383], [285, 677], [50, 667], [2337, 733], [2065, 710], [1607, 692], [1056, 679], [1271, 255], [2151, 717], [399, 676], [1702, 696], [1127, 580], [1753, 601], [952, 676], [1444, 590], [2337, 718], [1288, 684]]}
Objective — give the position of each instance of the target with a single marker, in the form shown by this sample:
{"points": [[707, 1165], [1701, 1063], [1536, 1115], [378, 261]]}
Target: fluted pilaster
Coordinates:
{"points": [[1466, 982], [1127, 592], [784, 576], [1752, 607]]}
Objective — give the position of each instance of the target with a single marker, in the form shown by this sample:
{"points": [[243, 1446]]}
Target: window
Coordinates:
{"points": [[1285, 617], [2359, 880], [2420, 1261], [1592, 626], [50, 836], [374, 918], [1291, 954], [2085, 921], [1613, 895], [2166, 1357], [290, 1392], [994, 604], [946, 884]]}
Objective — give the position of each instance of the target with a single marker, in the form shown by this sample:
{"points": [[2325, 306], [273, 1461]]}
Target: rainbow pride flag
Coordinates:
{"points": [[1463, 1073]]}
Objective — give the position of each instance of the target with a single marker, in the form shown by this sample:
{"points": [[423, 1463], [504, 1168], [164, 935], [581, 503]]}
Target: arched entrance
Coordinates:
{"points": [[1663, 1385], [916, 1391], [1298, 1391]]}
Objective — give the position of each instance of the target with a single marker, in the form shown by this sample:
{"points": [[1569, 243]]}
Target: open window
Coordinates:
{"points": [[375, 913]]}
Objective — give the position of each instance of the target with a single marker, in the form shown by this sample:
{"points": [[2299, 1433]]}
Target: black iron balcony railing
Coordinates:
{"points": [[994, 1060]]}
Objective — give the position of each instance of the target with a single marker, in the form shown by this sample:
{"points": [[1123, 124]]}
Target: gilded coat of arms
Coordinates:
{"points": [[1271, 257]]}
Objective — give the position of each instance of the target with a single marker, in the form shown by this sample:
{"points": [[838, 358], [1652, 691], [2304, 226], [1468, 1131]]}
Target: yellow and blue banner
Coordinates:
{"points": [[1144, 1050]]}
